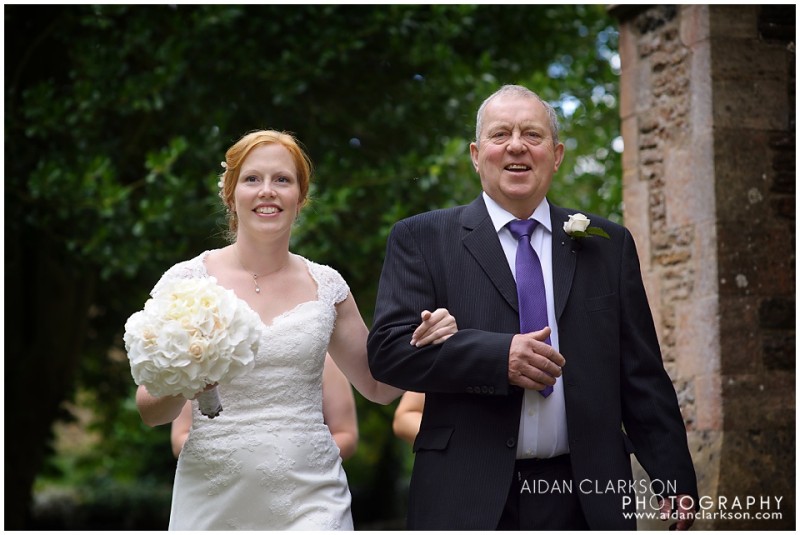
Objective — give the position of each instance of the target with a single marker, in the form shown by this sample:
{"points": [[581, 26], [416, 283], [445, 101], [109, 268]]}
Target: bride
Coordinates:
{"points": [[268, 462]]}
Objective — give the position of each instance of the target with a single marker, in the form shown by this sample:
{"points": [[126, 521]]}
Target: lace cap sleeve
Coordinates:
{"points": [[189, 269], [332, 287]]}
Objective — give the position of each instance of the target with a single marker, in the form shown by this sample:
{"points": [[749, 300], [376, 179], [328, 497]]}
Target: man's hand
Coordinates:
{"points": [[682, 507], [532, 363]]}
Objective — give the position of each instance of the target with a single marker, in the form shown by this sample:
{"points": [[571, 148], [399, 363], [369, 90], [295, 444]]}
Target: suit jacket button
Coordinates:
{"points": [[511, 442]]}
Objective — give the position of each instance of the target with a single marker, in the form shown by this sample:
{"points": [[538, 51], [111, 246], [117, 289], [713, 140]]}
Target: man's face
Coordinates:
{"points": [[516, 156]]}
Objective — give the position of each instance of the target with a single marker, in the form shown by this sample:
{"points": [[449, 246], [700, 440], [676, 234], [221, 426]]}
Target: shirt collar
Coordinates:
{"points": [[500, 217]]}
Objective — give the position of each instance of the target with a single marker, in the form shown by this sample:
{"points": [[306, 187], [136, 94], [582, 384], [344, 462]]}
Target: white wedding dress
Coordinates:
{"points": [[268, 461]]}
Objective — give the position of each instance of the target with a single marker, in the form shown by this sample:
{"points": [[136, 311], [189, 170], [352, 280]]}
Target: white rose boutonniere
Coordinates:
{"points": [[578, 227], [191, 334]]}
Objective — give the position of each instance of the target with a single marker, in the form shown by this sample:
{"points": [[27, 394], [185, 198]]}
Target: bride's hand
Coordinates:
{"points": [[436, 327]]}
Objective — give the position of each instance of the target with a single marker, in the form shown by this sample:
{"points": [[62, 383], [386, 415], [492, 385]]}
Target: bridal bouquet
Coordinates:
{"points": [[192, 333]]}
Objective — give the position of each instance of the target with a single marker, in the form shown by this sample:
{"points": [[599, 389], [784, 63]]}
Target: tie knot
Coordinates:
{"points": [[522, 227]]}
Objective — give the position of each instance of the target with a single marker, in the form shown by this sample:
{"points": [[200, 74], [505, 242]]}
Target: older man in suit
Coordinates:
{"points": [[555, 377]]}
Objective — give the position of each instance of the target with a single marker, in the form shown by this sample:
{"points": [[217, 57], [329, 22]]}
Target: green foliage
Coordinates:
{"points": [[105, 505], [117, 117]]}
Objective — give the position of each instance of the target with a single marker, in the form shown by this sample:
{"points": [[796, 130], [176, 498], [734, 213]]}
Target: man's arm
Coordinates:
{"points": [[651, 413], [472, 360], [467, 359]]}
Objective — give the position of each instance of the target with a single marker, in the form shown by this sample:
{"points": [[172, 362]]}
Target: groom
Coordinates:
{"points": [[530, 415]]}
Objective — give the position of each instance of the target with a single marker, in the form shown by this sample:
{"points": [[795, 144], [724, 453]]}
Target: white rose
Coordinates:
{"points": [[198, 349], [576, 223]]}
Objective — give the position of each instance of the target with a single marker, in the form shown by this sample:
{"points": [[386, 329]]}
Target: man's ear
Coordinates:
{"points": [[473, 152], [558, 156]]}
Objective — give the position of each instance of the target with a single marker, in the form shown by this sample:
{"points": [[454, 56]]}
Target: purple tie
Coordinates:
{"points": [[530, 283]]}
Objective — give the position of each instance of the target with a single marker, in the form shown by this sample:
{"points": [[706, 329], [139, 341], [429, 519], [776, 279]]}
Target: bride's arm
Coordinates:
{"points": [[348, 346], [158, 410], [339, 408], [181, 426]]}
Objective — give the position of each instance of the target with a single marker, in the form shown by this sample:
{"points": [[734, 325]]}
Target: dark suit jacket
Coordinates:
{"points": [[619, 400]]}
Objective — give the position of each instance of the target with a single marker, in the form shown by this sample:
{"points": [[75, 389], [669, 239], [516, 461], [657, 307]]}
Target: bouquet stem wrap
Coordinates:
{"points": [[190, 334], [209, 402]]}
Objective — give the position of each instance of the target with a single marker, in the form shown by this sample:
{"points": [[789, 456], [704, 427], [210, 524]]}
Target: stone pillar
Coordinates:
{"points": [[708, 121]]}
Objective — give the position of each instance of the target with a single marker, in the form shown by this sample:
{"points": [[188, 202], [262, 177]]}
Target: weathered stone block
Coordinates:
{"points": [[777, 313], [758, 463], [760, 401], [706, 448], [704, 258], [756, 104], [748, 59], [697, 335], [756, 259], [733, 21], [635, 194], [777, 22], [710, 196], [652, 19], [740, 344], [742, 174], [780, 351], [683, 181], [694, 26], [784, 183], [630, 135], [708, 400], [784, 208]]}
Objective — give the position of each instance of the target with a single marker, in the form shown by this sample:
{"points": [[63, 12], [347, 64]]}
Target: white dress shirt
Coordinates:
{"points": [[543, 422]]}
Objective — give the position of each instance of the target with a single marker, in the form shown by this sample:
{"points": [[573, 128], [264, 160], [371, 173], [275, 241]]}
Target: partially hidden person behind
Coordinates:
{"points": [[408, 416], [533, 409], [269, 462], [338, 413]]}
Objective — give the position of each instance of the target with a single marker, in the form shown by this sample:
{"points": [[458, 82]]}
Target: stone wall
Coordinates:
{"points": [[708, 120]]}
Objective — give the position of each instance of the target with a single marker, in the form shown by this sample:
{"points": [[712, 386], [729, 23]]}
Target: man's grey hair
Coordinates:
{"points": [[521, 91]]}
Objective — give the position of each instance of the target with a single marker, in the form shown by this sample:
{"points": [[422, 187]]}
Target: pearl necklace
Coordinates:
{"points": [[254, 275], [255, 281]]}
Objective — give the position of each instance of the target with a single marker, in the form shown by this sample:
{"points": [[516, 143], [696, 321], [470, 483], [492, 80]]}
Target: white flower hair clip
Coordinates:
{"points": [[221, 183]]}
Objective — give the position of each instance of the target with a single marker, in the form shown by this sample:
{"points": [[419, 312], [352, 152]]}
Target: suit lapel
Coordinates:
{"points": [[564, 259], [483, 244]]}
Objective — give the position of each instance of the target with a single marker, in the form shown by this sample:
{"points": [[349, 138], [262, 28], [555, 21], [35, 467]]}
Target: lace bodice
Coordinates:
{"points": [[271, 428]]}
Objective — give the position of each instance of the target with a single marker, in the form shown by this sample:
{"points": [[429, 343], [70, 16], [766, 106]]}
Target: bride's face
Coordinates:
{"points": [[267, 194]]}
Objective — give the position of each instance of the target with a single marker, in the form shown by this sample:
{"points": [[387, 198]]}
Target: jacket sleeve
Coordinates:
{"points": [[651, 414], [471, 361]]}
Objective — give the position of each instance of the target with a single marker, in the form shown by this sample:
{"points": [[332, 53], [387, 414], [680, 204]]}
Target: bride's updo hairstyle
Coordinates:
{"points": [[239, 151]]}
